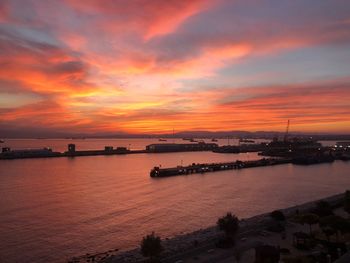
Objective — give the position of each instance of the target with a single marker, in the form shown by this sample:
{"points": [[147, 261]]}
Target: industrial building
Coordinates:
{"points": [[183, 147]]}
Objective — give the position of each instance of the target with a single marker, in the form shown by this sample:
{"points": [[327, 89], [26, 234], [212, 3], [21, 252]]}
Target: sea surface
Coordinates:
{"points": [[57, 208]]}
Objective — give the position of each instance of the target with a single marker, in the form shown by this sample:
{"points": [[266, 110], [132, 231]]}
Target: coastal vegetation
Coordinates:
{"points": [[278, 215], [310, 219], [323, 208], [151, 247], [329, 237], [313, 232], [278, 222], [347, 202], [229, 224]]}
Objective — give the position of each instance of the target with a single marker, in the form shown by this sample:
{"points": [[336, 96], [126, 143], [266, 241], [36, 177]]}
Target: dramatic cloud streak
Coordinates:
{"points": [[148, 66]]}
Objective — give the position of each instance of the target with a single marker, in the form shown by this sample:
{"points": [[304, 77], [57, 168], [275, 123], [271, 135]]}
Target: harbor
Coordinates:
{"points": [[292, 148], [174, 131], [296, 151], [107, 196]]}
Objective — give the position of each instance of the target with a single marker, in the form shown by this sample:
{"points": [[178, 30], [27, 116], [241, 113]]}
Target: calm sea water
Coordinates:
{"points": [[54, 209]]}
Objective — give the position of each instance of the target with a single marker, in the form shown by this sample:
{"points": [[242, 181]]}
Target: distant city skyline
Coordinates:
{"points": [[148, 67]]}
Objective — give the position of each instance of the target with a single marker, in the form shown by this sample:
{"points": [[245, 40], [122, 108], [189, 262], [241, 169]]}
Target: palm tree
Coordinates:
{"points": [[229, 224], [151, 247], [310, 219], [328, 231]]}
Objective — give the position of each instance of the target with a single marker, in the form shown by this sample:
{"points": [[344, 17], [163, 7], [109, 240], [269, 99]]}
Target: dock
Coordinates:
{"points": [[215, 167], [196, 168]]}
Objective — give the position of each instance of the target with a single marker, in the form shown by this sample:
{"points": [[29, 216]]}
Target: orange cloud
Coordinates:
{"points": [[307, 105], [144, 66]]}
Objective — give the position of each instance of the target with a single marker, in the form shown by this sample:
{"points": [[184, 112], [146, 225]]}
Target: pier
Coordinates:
{"points": [[196, 168], [215, 167]]}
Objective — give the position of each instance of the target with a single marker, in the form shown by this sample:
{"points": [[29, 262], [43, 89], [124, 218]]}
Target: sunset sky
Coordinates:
{"points": [[148, 66]]}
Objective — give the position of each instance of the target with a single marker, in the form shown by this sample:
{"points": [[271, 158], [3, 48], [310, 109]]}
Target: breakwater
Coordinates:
{"points": [[196, 168], [48, 153], [215, 167], [7, 153]]}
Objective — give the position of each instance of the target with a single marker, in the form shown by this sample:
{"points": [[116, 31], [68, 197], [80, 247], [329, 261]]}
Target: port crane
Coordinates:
{"points": [[287, 131]]}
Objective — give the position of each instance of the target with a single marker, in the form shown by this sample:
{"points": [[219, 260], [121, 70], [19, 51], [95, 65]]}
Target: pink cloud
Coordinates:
{"points": [[150, 18], [140, 65]]}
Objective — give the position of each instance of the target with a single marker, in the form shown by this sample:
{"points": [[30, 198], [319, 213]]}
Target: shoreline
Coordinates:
{"points": [[201, 240]]}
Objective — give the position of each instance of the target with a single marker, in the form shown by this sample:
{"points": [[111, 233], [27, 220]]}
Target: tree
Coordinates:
{"points": [[229, 224], [238, 254], [151, 247], [278, 215], [328, 231], [336, 222], [323, 208], [309, 219]]}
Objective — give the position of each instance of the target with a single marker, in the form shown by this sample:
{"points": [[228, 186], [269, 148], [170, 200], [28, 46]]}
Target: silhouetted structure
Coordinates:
{"points": [[7, 153], [183, 147], [302, 240], [267, 254], [242, 148], [213, 167], [6, 149], [108, 148], [71, 148], [292, 148]]}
